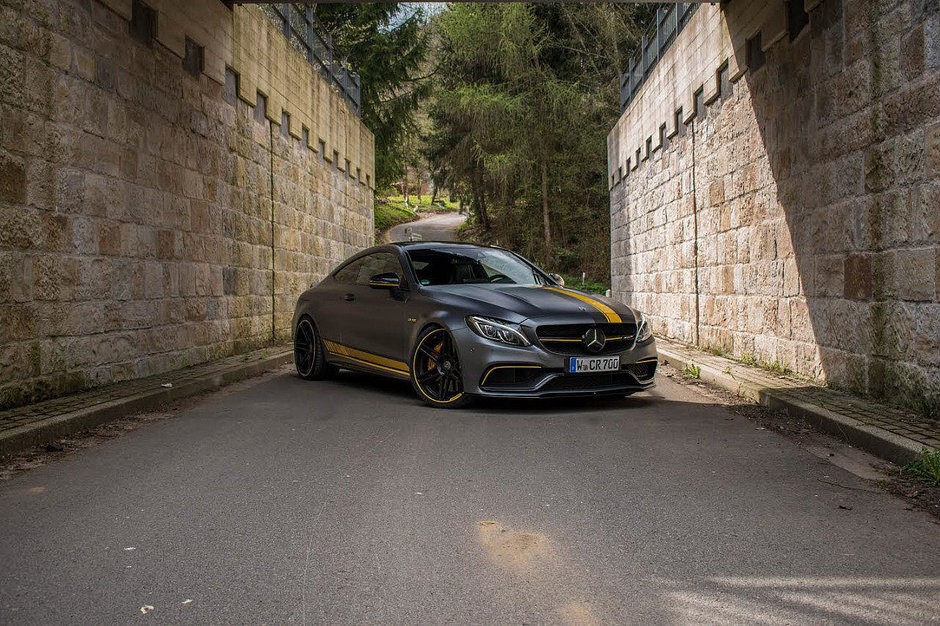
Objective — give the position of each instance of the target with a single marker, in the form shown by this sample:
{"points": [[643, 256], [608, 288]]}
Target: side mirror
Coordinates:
{"points": [[558, 279], [386, 280]]}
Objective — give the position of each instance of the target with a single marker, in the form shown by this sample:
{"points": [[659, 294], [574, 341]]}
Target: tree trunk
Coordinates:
{"points": [[405, 193], [480, 199], [545, 220]]}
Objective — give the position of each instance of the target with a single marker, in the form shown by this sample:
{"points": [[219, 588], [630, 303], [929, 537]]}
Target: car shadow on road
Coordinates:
{"points": [[401, 390]]}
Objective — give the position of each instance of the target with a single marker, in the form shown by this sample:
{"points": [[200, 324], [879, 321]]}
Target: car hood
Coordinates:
{"points": [[517, 302]]}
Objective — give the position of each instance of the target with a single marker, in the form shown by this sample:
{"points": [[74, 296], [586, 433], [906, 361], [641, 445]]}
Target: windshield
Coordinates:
{"points": [[472, 266]]}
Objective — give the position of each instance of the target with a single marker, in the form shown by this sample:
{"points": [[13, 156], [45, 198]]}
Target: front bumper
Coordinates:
{"points": [[489, 369]]}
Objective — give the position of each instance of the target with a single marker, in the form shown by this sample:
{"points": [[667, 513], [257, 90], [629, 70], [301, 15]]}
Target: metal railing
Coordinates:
{"points": [[305, 33], [669, 22]]}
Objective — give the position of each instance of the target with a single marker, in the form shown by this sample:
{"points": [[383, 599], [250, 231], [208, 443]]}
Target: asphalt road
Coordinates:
{"points": [[435, 227], [288, 501]]}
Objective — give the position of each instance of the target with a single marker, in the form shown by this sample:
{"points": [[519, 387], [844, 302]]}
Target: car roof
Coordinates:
{"points": [[437, 245]]}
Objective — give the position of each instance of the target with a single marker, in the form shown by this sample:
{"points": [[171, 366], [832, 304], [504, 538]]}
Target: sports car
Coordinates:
{"points": [[462, 321]]}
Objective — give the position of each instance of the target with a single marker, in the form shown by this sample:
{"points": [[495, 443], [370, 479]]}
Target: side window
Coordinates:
{"points": [[350, 272], [378, 263]]}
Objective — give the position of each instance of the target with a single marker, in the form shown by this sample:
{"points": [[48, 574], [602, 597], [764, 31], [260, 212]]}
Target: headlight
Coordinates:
{"points": [[643, 332], [497, 330]]}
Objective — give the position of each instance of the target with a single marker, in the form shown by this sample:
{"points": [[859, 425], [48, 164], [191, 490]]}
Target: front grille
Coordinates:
{"points": [[643, 370], [566, 338], [583, 382]]}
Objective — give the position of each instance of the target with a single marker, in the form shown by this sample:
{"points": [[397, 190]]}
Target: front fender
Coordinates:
{"points": [[450, 319]]}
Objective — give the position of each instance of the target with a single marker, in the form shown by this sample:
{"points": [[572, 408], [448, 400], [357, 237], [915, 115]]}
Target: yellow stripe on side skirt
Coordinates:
{"points": [[366, 357], [607, 312]]}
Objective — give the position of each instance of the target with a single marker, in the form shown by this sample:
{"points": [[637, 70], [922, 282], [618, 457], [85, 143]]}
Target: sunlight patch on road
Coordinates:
{"points": [[781, 600]]}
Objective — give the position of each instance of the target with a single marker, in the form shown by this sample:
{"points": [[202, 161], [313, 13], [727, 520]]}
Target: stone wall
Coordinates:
{"points": [[787, 208], [139, 201]]}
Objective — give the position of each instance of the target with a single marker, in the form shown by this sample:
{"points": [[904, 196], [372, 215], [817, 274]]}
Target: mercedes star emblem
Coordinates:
{"points": [[594, 339]]}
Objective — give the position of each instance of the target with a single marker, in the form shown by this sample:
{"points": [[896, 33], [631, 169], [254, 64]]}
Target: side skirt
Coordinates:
{"points": [[362, 366], [345, 356]]}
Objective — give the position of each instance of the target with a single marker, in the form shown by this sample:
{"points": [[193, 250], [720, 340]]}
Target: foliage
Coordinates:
{"points": [[693, 371], [524, 96], [927, 467], [926, 407], [387, 44], [589, 285], [391, 213], [423, 204]]}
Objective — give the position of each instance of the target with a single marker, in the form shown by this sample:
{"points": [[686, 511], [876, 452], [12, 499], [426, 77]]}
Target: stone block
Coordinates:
{"points": [[932, 150], [18, 322], [910, 107], [892, 329], [60, 52], [109, 238], [932, 40], [858, 277], [927, 347], [122, 279], [884, 275], [12, 179], [167, 244], [153, 280], [50, 282], [70, 191], [828, 277], [187, 279], [916, 274], [896, 162]]}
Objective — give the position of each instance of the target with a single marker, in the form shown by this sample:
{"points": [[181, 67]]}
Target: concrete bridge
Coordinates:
{"points": [[775, 190], [172, 175]]}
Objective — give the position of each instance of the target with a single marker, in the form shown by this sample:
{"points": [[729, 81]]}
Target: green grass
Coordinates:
{"points": [[441, 205], [927, 467], [748, 359], [389, 213], [926, 408], [592, 286], [693, 371]]}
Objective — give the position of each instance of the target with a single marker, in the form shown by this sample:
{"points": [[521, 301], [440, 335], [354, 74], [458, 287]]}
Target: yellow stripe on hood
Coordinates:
{"points": [[607, 312]]}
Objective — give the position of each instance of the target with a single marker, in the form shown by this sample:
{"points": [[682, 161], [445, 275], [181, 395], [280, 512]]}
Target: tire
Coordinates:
{"points": [[309, 355], [435, 370]]}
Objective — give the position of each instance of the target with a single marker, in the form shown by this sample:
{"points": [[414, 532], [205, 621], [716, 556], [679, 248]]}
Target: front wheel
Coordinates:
{"points": [[435, 370], [309, 356]]}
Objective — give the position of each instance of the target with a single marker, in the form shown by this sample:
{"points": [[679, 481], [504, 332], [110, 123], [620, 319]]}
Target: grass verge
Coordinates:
{"points": [[422, 204], [591, 286], [389, 213]]}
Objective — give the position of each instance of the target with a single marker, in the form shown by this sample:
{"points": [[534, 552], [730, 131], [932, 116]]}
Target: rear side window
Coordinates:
{"points": [[361, 270], [349, 272], [378, 263]]}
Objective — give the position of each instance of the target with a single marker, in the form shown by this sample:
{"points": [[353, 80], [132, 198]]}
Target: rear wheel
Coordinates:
{"points": [[309, 356], [435, 370]]}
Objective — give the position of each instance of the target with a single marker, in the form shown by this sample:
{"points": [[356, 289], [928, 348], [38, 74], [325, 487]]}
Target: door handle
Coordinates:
{"points": [[349, 297]]}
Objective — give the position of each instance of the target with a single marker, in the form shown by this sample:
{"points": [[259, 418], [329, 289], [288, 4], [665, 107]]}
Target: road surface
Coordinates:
{"points": [[346, 502], [435, 227]]}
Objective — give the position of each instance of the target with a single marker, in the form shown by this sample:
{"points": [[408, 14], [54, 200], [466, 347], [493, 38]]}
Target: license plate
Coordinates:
{"points": [[584, 365]]}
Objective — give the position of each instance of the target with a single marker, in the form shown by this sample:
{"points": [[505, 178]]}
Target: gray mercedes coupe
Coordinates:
{"points": [[461, 320]]}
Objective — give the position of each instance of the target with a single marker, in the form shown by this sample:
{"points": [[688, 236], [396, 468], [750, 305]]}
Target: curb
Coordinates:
{"points": [[880, 442], [23, 437]]}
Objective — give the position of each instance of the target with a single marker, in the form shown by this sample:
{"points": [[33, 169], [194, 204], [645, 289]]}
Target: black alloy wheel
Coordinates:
{"points": [[435, 370], [309, 357]]}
